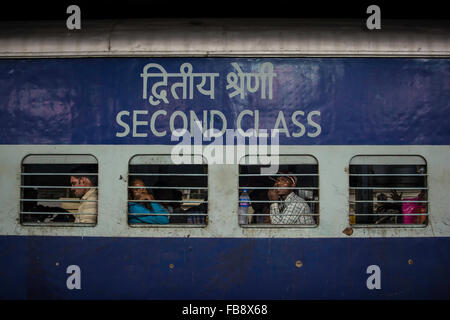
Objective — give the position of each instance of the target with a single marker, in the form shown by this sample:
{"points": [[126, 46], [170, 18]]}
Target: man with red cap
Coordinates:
{"points": [[289, 208]]}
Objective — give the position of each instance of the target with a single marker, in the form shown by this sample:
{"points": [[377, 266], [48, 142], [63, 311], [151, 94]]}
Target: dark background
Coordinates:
{"points": [[133, 9]]}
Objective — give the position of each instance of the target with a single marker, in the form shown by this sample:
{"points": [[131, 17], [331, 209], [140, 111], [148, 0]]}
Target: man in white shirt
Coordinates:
{"points": [[290, 208], [84, 188]]}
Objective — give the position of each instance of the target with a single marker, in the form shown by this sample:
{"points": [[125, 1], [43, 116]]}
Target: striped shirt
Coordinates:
{"points": [[291, 211], [88, 207]]}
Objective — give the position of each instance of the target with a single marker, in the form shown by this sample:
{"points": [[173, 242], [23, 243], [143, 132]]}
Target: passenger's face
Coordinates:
{"points": [[283, 182], [137, 192], [78, 182]]}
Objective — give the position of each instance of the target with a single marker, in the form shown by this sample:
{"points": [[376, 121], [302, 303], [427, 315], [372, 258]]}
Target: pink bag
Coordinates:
{"points": [[411, 207]]}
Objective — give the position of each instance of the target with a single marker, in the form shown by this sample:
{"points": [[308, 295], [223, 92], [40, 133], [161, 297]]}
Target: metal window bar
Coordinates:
{"points": [[57, 200], [170, 174], [284, 215], [388, 225], [388, 174], [276, 201], [169, 201], [62, 213], [388, 188], [383, 216], [273, 188], [53, 214], [57, 174], [173, 188], [280, 201], [185, 201], [278, 175], [57, 224], [168, 214], [56, 187], [388, 201], [390, 214]]}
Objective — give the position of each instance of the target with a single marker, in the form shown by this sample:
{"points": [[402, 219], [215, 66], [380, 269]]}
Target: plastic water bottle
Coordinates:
{"points": [[244, 203]]}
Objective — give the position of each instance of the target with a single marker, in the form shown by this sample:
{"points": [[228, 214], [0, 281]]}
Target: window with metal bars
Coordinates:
{"points": [[162, 193], [285, 195], [388, 191], [59, 190]]}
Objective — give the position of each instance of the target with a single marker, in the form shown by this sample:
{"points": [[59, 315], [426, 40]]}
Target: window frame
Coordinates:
{"points": [[54, 159], [315, 199], [420, 161], [169, 225]]}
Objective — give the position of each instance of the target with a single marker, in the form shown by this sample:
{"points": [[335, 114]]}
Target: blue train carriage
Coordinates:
{"points": [[137, 159]]}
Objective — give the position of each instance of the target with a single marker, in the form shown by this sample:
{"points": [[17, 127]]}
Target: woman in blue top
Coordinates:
{"points": [[144, 207]]}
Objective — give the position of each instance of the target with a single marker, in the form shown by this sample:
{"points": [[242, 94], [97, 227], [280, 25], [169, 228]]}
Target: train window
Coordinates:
{"points": [[286, 194], [388, 191], [161, 193], [59, 190]]}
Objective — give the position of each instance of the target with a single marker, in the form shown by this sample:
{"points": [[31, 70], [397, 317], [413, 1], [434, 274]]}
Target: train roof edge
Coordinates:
{"points": [[225, 37]]}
